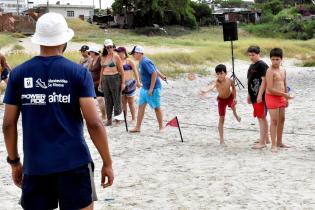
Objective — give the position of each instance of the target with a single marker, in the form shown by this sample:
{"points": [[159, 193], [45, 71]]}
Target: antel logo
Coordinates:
{"points": [[28, 82]]}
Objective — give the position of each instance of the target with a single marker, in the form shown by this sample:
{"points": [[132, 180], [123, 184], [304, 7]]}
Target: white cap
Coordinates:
{"points": [[139, 49], [52, 30], [94, 49], [108, 42]]}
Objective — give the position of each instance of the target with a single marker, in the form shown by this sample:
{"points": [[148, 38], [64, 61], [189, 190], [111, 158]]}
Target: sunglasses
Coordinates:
{"points": [[109, 47]]}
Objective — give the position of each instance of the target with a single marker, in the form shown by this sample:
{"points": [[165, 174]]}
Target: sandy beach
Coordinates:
{"points": [[158, 171]]}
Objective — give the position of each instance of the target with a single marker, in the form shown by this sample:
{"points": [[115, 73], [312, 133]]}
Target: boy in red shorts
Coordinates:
{"points": [[226, 96], [276, 98], [256, 93]]}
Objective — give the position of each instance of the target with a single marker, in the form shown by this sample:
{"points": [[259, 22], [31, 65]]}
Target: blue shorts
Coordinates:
{"points": [[154, 101], [72, 189], [4, 74]]}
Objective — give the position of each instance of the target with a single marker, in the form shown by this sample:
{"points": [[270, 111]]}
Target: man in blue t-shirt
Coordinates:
{"points": [[150, 93], [51, 92]]}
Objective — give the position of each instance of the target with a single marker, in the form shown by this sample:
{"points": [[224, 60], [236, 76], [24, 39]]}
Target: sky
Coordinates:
{"points": [[105, 3]]}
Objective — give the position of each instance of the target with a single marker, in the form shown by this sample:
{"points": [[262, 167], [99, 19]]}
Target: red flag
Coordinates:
{"points": [[173, 123]]}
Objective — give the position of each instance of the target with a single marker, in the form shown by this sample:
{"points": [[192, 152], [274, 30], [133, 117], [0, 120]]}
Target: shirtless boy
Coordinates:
{"points": [[226, 96], [276, 98]]}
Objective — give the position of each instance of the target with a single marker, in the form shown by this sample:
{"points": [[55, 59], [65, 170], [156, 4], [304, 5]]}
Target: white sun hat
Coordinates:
{"points": [[94, 49], [108, 42], [52, 30]]}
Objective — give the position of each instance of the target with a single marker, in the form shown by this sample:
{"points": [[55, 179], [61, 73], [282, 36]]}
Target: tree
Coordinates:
{"points": [[229, 3], [271, 7], [122, 6], [201, 11], [153, 11]]}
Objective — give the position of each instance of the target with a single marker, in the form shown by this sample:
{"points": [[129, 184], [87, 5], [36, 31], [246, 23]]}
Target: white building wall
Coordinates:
{"points": [[76, 12]]}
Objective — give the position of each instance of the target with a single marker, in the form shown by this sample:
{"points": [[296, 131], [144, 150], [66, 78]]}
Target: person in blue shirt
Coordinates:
{"points": [[51, 92], [150, 93]]}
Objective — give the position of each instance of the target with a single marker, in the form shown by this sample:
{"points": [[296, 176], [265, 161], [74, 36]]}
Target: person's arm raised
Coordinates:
{"points": [[99, 137], [209, 88]]}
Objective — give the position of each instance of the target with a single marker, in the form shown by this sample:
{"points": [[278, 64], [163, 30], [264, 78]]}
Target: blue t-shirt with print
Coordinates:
{"points": [[147, 67], [47, 91]]}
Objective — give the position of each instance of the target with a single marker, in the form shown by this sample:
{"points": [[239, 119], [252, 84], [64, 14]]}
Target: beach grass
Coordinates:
{"points": [[6, 39], [17, 47], [190, 50]]}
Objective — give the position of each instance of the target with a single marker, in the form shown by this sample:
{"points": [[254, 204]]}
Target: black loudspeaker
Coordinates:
{"points": [[230, 31]]}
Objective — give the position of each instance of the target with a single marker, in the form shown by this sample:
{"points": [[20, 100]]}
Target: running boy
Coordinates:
{"points": [[256, 93], [276, 98], [226, 96]]}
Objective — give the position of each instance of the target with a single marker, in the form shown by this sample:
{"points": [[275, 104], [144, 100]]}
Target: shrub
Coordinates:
{"points": [[189, 20]]}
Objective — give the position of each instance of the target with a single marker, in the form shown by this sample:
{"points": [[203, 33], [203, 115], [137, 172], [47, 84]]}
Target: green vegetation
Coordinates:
{"points": [[15, 59], [17, 47], [183, 50], [160, 12], [6, 39], [284, 20], [308, 62]]}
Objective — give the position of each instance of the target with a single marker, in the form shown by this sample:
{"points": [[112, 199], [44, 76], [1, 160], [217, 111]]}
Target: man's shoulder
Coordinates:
{"points": [[68, 64], [23, 66], [146, 60]]}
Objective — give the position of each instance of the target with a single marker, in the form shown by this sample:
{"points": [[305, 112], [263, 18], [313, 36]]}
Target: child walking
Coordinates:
{"points": [[226, 96]]}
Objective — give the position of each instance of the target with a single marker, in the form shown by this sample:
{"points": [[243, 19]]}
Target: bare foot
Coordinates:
{"points": [[274, 149], [239, 119], [162, 130], [117, 123], [283, 146], [268, 141], [135, 130], [259, 146], [108, 123], [222, 143]]}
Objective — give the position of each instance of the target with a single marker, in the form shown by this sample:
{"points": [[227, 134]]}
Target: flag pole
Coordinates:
{"points": [[125, 118], [180, 132]]}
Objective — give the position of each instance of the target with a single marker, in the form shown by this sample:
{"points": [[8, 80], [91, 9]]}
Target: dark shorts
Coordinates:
{"points": [[4, 74], [72, 189], [98, 93]]}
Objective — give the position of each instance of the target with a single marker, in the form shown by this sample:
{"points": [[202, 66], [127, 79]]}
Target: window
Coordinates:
{"points": [[70, 13]]}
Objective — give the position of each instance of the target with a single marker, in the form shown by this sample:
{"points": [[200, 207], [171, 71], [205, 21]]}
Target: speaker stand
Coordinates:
{"points": [[237, 82]]}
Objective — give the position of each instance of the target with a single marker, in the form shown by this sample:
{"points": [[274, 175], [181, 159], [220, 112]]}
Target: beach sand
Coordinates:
{"points": [[158, 171]]}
